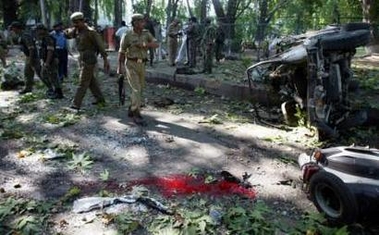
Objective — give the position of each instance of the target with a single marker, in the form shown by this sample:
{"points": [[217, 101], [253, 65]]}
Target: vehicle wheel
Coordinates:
{"points": [[345, 40], [356, 26], [353, 86], [333, 198], [354, 119]]}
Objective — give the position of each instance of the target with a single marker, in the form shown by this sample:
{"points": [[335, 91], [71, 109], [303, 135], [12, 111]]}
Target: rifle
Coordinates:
{"points": [[121, 89]]}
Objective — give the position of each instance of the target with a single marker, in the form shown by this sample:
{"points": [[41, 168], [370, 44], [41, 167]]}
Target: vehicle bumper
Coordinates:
{"points": [[308, 166]]}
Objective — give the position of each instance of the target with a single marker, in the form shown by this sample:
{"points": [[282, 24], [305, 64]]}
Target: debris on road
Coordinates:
{"points": [[92, 203]]}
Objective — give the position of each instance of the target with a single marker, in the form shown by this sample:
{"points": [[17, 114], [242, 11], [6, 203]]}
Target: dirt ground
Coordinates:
{"points": [[199, 131]]}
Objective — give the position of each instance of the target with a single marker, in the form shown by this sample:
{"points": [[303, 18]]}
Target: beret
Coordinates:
{"points": [[137, 17], [77, 16], [16, 24]]}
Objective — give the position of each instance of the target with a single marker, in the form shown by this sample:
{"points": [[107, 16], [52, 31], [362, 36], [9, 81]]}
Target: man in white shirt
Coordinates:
{"points": [[119, 33]]}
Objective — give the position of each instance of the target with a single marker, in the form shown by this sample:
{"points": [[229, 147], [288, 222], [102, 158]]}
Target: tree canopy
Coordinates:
{"points": [[243, 19]]}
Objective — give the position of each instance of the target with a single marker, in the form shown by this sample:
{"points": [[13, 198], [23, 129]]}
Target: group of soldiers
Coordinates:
{"points": [[207, 40], [41, 60], [134, 47]]}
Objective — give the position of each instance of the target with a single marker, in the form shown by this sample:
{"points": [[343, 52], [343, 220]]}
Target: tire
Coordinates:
{"points": [[345, 41], [356, 26], [333, 198]]}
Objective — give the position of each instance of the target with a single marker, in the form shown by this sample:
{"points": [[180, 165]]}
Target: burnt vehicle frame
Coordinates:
{"points": [[343, 182], [313, 76]]}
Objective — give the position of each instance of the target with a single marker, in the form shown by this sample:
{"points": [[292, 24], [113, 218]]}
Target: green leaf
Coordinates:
{"points": [[80, 162]]}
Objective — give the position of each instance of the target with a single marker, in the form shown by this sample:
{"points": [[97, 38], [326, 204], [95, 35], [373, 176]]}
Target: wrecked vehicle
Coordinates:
{"points": [[343, 182], [315, 77]]}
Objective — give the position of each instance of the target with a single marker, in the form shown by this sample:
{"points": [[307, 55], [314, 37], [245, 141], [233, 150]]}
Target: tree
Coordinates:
{"points": [[172, 10], [9, 9], [118, 6], [371, 15], [234, 8], [265, 16]]}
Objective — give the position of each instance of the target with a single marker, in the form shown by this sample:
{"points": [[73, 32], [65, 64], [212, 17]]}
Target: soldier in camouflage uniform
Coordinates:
{"points": [[192, 37], [132, 57], [3, 49], [172, 41], [49, 62], [28, 46], [208, 42], [89, 43], [219, 42]]}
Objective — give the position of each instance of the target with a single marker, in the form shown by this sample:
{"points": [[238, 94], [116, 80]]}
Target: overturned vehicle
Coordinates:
{"points": [[313, 76]]}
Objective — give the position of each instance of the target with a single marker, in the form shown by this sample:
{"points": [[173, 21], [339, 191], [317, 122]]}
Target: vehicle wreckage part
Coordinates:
{"points": [[334, 90], [295, 55], [356, 26], [345, 40], [289, 110], [319, 102], [354, 119], [333, 198]]}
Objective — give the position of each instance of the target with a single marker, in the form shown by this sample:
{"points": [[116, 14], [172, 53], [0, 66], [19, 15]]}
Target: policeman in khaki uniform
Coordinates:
{"points": [[89, 44], [131, 62], [49, 62], [28, 46], [172, 40]]}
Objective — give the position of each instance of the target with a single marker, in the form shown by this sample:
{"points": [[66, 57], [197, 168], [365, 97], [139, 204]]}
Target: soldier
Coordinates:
{"points": [[28, 46], [208, 41], [89, 44], [192, 36], [172, 40], [219, 42], [3, 49], [131, 62], [49, 62]]}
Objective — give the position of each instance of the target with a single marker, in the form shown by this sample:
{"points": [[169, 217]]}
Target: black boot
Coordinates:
{"points": [[59, 93], [130, 112], [25, 90]]}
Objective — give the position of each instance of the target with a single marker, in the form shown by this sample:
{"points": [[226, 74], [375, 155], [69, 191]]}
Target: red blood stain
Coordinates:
{"points": [[183, 185]]}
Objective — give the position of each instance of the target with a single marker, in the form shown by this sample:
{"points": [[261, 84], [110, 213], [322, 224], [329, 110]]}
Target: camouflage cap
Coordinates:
{"points": [[41, 26], [137, 16], [77, 16]]}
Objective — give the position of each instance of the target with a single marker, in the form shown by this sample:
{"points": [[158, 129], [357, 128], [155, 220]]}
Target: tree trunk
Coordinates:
{"points": [[262, 21], [86, 9], [10, 8], [171, 10], [117, 13], [227, 20], [96, 16], [190, 12], [148, 7], [74, 5], [203, 10], [371, 15]]}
